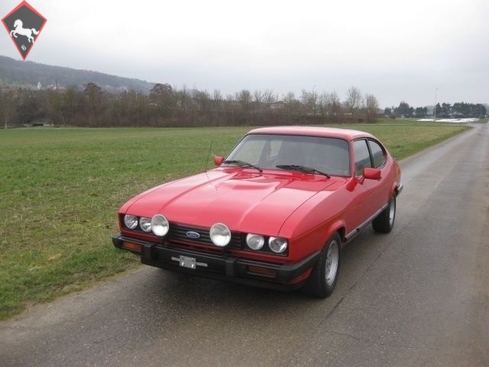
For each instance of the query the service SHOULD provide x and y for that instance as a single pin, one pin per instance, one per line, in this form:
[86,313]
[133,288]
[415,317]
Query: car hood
[243,200]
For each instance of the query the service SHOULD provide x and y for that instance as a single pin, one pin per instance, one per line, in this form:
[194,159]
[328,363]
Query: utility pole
[434,111]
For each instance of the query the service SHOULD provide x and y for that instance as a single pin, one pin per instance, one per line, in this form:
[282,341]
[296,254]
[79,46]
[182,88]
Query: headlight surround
[160,225]
[255,241]
[220,235]
[145,224]
[130,221]
[278,244]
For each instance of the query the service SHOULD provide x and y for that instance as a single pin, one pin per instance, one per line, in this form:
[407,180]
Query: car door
[366,193]
[380,188]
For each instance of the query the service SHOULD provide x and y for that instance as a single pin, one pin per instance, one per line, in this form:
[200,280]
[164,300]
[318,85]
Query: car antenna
[207,161]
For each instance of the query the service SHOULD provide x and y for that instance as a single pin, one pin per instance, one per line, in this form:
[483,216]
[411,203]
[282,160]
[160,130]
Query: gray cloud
[398,51]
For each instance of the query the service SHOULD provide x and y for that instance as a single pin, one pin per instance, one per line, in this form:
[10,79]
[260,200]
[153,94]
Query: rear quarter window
[378,154]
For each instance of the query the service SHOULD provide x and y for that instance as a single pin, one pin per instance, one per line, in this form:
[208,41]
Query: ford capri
[276,212]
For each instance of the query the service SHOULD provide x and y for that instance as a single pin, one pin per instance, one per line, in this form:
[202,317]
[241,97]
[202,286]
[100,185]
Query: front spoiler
[221,266]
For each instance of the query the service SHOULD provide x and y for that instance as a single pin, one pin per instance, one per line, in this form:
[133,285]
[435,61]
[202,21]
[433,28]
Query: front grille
[179,232]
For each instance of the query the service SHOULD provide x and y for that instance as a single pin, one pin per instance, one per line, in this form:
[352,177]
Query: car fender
[397,186]
[396,189]
[314,239]
[339,226]
[393,190]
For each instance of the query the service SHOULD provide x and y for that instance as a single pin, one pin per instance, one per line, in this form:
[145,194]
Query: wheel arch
[395,189]
[339,227]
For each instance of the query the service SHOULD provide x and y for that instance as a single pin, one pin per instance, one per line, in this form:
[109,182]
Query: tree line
[443,110]
[166,106]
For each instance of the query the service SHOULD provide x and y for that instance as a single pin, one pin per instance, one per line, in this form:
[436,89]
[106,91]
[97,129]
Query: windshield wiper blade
[243,164]
[295,167]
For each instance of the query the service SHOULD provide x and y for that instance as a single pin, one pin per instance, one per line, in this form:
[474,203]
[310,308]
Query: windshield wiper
[295,167]
[243,164]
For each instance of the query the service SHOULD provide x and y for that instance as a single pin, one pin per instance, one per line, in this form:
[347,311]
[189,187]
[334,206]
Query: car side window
[362,156]
[378,154]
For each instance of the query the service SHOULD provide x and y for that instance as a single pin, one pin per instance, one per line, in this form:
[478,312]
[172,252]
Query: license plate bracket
[188,262]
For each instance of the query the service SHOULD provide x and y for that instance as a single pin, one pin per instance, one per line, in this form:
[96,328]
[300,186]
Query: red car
[276,211]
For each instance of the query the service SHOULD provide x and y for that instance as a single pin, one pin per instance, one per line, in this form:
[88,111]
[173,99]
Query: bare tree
[269,98]
[217,99]
[292,105]
[353,101]
[371,107]
[330,105]
[258,95]
[183,99]
[244,98]
[203,99]
[310,102]
[258,100]
[69,101]
[93,93]
[7,105]
[54,100]
[162,99]
[160,91]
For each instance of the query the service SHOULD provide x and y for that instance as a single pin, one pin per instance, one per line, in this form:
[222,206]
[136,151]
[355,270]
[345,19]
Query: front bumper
[220,266]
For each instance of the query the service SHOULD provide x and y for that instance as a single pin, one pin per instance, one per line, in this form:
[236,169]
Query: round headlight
[145,224]
[130,221]
[255,241]
[277,244]
[220,234]
[160,225]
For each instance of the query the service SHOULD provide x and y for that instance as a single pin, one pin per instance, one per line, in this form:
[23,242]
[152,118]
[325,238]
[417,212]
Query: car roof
[331,132]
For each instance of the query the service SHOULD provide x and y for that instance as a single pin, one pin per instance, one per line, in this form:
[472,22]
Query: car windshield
[310,154]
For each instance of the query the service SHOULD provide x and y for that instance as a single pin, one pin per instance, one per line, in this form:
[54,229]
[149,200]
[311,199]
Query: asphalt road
[418,296]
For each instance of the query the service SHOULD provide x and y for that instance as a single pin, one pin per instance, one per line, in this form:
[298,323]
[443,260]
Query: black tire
[325,273]
[385,220]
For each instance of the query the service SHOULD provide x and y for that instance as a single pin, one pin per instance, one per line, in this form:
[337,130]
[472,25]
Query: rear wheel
[325,273]
[385,221]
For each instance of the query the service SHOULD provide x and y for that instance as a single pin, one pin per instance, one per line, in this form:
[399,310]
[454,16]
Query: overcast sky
[410,51]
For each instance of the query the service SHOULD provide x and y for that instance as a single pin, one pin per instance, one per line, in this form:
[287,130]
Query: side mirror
[218,160]
[371,173]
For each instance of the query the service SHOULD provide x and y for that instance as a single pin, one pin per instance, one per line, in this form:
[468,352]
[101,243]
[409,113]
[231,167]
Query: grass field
[61,189]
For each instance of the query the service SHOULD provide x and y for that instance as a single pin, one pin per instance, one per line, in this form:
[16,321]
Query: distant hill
[28,74]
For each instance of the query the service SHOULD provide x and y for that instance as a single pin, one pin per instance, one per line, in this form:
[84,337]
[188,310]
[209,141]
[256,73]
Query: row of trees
[444,110]
[166,106]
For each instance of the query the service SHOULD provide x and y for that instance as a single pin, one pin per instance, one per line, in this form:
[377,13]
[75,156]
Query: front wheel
[325,273]
[385,220]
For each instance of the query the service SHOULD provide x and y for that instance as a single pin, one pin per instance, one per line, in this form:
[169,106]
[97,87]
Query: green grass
[61,189]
